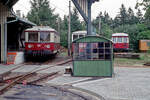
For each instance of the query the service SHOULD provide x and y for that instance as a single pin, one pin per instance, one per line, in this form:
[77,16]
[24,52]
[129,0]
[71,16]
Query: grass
[144,58]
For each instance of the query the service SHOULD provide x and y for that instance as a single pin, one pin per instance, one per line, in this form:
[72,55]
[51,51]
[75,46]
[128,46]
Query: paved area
[128,84]
[28,68]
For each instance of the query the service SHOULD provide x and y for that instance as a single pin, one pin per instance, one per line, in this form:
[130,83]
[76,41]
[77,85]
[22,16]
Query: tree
[106,23]
[75,22]
[76,25]
[139,16]
[42,14]
[146,5]
[64,32]
[132,19]
[123,15]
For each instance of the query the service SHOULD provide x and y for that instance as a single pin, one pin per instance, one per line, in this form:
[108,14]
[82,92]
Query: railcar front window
[44,36]
[33,37]
[75,37]
[119,40]
[125,40]
[81,36]
[114,39]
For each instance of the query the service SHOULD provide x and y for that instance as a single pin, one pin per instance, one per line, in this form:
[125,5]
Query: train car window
[125,40]
[33,36]
[114,39]
[119,40]
[44,36]
[81,36]
[75,37]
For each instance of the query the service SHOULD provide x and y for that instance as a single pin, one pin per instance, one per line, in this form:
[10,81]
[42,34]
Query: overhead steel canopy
[9,3]
[94,0]
[84,8]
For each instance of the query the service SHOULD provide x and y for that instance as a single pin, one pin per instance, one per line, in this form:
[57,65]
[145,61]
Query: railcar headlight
[38,45]
[47,46]
[30,46]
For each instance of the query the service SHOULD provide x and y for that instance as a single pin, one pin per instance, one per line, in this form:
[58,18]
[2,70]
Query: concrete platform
[128,84]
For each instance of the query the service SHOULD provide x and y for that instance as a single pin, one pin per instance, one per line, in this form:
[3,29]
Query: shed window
[92,51]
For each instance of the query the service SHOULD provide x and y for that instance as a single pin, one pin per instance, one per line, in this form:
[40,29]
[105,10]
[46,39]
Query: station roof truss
[21,22]
[9,3]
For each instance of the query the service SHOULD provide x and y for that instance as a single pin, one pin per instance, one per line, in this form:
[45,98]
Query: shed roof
[92,38]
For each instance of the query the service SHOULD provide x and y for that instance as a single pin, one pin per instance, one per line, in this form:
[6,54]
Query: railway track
[127,55]
[25,76]
[10,71]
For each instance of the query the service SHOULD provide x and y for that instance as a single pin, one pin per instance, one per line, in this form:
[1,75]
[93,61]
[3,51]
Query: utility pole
[59,25]
[69,28]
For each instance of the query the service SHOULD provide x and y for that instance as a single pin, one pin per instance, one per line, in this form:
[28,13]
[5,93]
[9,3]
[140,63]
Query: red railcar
[41,41]
[120,41]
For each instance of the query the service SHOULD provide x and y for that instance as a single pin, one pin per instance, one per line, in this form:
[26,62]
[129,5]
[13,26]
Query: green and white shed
[92,56]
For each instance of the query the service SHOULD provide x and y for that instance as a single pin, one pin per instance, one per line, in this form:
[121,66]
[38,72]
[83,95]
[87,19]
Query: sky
[61,6]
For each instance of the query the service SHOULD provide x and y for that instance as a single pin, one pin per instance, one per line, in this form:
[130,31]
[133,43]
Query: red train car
[41,41]
[120,41]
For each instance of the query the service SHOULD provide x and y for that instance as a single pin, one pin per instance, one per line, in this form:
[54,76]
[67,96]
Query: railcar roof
[41,28]
[80,32]
[119,34]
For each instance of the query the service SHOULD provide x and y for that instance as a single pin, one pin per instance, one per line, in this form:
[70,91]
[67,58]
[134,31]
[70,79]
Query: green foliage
[42,14]
[76,25]
[136,32]
[106,23]
[75,22]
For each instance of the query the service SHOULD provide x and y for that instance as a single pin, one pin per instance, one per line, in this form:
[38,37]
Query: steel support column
[80,11]
[4,43]
[89,25]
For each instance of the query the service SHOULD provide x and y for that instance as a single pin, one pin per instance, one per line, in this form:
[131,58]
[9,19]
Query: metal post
[99,24]
[4,43]
[59,25]
[89,32]
[69,28]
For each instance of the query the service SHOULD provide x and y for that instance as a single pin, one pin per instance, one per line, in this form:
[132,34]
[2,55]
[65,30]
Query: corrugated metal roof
[26,21]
